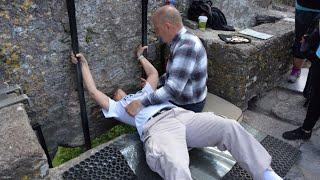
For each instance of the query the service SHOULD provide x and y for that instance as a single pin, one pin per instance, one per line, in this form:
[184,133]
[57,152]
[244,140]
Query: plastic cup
[203,22]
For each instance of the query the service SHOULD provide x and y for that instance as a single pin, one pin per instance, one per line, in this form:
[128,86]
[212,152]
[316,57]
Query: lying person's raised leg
[207,129]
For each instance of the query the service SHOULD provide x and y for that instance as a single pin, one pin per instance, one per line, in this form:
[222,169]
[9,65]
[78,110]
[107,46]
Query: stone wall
[21,156]
[242,71]
[35,48]
[286,2]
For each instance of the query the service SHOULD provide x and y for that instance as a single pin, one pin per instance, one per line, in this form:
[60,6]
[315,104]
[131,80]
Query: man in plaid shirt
[184,82]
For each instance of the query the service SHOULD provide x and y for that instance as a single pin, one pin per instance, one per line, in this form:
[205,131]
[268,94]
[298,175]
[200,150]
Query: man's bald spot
[168,14]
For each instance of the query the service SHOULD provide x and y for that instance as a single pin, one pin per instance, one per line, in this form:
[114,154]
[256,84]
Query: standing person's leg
[207,129]
[303,20]
[313,112]
[307,88]
[166,148]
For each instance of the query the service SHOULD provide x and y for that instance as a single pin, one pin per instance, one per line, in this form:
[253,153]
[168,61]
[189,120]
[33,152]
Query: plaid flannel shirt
[186,73]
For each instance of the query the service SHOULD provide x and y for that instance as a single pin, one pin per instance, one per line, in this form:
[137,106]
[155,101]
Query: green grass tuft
[64,154]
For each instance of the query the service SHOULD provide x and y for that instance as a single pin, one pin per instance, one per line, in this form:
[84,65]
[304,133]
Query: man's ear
[167,26]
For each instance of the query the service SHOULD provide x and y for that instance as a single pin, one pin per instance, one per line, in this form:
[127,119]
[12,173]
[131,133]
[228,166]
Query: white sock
[271,175]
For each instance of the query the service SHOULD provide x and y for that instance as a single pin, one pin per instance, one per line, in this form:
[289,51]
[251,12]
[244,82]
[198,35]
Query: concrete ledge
[21,155]
[222,107]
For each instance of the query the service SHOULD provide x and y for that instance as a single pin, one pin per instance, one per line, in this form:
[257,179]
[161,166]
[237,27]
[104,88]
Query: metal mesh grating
[107,164]
[283,157]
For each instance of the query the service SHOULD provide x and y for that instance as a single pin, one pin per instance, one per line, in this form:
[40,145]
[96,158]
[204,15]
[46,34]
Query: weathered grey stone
[21,156]
[292,111]
[285,2]
[272,98]
[242,71]
[264,103]
[35,48]
[295,173]
[307,166]
[262,3]
[239,13]
[34,53]
[269,125]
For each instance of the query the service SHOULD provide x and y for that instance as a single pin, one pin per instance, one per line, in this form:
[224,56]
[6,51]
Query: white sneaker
[271,175]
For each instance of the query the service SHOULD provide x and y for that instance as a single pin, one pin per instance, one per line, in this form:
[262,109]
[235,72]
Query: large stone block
[21,156]
[238,72]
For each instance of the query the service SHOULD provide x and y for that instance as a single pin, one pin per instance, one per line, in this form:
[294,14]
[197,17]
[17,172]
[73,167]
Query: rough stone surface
[265,119]
[308,164]
[239,13]
[21,156]
[242,71]
[265,103]
[286,2]
[269,125]
[262,3]
[35,48]
[283,104]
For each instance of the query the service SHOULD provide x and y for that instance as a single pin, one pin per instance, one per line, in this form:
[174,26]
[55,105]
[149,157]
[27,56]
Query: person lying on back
[167,131]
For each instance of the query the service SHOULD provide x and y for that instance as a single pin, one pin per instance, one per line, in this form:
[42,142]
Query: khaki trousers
[168,136]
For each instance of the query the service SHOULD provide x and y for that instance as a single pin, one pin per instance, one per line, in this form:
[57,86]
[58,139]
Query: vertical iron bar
[144,35]
[144,24]
[37,127]
[75,49]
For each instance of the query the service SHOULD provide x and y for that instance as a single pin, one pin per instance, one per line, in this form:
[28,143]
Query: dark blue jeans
[196,107]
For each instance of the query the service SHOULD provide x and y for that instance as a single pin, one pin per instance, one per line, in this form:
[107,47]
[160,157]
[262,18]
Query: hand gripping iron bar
[75,49]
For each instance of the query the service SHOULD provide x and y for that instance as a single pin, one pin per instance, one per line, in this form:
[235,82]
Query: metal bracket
[14,100]
[7,100]
[11,89]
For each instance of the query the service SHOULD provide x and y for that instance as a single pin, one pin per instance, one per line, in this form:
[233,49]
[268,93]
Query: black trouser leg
[313,112]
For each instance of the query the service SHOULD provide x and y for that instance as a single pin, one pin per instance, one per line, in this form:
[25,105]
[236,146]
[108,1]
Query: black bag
[216,19]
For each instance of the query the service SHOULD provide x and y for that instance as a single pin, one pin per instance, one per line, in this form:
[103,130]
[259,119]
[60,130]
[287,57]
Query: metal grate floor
[283,157]
[107,164]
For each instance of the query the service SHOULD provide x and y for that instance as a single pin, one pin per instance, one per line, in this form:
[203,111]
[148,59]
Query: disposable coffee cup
[203,22]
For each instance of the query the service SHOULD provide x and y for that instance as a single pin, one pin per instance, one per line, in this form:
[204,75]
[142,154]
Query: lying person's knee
[231,124]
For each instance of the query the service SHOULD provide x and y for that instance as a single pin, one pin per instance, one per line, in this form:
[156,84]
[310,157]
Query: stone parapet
[21,156]
[239,72]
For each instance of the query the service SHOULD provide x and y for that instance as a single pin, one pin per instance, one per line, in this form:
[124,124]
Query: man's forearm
[148,67]
[87,78]
[151,72]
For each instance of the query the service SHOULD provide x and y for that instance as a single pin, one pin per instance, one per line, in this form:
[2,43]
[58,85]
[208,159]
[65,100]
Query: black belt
[161,111]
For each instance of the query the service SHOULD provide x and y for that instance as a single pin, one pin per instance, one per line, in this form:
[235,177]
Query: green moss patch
[64,154]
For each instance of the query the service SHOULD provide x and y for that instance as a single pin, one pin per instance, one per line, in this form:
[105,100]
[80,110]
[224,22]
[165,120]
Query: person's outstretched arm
[151,71]
[152,78]
[99,97]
